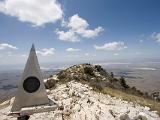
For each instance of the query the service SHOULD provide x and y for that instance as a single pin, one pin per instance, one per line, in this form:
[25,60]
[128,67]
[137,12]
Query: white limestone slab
[33,110]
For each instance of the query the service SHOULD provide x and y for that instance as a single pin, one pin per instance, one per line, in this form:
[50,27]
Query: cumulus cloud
[156,36]
[46,52]
[4,46]
[73,49]
[77,28]
[112,46]
[67,36]
[89,33]
[76,22]
[80,26]
[37,12]
[116,54]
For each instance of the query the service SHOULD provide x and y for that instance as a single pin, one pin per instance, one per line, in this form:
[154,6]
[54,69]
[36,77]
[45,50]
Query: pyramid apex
[32,48]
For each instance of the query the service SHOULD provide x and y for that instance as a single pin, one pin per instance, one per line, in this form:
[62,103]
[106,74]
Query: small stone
[71,92]
[141,116]
[124,117]
[113,113]
[77,107]
[146,108]
[64,96]
[61,108]
[67,112]
[55,98]
[48,91]
[86,85]
[12,100]
[90,88]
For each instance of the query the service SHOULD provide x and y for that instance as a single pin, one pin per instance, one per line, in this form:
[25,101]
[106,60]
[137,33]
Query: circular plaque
[31,84]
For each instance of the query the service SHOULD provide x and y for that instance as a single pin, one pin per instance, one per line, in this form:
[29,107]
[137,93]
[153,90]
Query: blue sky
[79,30]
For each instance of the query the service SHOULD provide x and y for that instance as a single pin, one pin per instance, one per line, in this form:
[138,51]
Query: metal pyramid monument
[31,90]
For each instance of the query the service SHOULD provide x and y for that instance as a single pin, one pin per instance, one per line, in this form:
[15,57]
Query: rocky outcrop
[93,75]
[79,102]
[84,72]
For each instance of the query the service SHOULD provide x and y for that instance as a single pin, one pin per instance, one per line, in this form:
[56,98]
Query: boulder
[49,83]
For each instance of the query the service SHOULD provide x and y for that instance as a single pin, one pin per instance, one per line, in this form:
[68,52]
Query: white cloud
[90,55]
[89,33]
[86,54]
[116,54]
[80,26]
[7,46]
[113,46]
[23,55]
[77,28]
[46,52]
[76,22]
[141,41]
[67,36]
[156,36]
[73,49]
[37,12]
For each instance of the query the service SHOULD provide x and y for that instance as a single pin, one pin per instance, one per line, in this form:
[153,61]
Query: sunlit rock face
[78,102]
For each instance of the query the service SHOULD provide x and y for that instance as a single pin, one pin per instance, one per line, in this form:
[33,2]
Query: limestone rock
[77,101]
[124,117]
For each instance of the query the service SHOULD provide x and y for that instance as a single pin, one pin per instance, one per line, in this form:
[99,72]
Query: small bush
[96,86]
[89,71]
[113,80]
[112,75]
[123,83]
[61,75]
[51,76]
[98,67]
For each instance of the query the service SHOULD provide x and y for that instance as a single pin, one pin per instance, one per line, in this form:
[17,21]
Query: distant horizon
[52,65]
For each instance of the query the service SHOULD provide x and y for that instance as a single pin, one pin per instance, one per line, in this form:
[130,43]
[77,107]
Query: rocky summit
[78,92]
[79,102]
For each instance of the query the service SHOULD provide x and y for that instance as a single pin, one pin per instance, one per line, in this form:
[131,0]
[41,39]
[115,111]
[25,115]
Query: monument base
[32,110]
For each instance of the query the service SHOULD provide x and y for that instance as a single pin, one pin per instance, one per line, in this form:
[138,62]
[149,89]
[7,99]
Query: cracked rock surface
[78,102]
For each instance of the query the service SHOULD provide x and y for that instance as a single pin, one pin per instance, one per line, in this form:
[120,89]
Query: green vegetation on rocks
[95,76]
